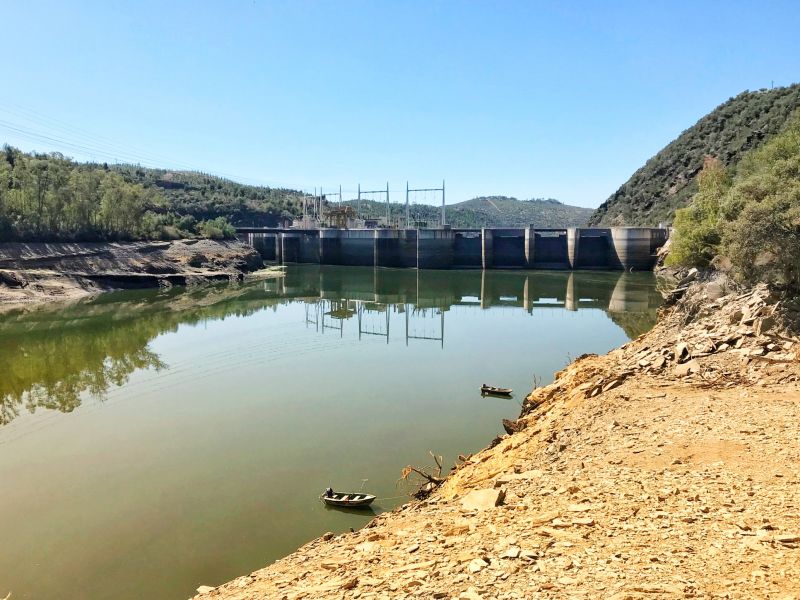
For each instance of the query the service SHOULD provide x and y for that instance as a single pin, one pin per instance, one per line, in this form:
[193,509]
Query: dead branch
[424,479]
[438,461]
[410,469]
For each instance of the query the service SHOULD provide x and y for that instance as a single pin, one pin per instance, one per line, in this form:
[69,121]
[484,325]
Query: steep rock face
[668,180]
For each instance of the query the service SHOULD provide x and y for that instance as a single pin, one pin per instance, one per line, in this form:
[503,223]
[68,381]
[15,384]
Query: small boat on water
[349,499]
[490,390]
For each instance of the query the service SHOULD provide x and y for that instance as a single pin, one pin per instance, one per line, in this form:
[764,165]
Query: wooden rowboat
[495,391]
[351,499]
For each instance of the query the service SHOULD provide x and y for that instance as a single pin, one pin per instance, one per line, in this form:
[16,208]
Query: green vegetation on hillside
[50,197]
[47,196]
[205,196]
[487,211]
[668,181]
[501,211]
[750,222]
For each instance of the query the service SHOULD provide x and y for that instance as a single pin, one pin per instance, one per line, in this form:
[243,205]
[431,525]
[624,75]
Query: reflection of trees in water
[54,374]
[50,360]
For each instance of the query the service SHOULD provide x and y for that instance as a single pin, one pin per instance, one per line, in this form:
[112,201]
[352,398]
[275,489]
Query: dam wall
[614,248]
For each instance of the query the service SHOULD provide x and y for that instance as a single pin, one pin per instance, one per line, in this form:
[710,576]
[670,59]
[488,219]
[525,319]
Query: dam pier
[614,248]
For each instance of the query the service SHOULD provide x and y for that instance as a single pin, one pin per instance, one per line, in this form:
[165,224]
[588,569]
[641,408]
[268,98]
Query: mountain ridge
[667,181]
[487,211]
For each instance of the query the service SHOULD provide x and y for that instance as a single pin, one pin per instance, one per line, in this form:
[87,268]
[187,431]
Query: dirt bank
[668,468]
[32,273]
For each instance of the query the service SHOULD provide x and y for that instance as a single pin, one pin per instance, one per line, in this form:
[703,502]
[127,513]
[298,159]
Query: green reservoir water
[153,441]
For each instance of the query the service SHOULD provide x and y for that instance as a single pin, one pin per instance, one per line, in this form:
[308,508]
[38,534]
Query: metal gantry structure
[326,314]
[318,206]
[410,190]
[378,193]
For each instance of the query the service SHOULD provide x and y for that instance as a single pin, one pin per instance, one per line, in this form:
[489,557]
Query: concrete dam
[615,248]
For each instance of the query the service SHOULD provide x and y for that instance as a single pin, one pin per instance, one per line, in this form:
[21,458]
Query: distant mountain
[488,211]
[502,211]
[668,180]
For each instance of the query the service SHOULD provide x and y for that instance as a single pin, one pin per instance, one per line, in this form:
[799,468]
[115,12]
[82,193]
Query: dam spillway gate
[615,248]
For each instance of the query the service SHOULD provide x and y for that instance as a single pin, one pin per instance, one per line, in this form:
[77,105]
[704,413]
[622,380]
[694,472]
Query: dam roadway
[615,248]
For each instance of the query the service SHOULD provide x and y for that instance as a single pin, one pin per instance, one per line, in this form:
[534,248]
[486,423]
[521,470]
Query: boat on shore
[490,390]
[348,499]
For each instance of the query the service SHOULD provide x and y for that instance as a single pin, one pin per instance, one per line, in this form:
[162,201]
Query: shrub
[761,231]
[186,224]
[216,229]
[697,231]
[753,221]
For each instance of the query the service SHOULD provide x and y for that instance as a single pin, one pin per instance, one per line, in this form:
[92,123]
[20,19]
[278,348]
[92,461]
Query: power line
[86,137]
[38,128]
[91,145]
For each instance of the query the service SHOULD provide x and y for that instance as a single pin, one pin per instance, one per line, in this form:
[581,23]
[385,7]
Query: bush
[697,231]
[216,229]
[761,230]
[753,221]
[187,225]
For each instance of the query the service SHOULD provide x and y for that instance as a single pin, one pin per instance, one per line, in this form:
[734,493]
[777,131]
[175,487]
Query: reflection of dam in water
[375,319]
[381,301]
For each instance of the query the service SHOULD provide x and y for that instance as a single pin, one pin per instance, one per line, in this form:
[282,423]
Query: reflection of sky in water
[226,410]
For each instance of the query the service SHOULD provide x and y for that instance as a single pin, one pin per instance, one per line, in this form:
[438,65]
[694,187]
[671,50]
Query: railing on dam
[615,248]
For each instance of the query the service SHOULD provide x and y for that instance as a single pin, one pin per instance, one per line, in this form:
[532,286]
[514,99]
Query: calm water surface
[151,442]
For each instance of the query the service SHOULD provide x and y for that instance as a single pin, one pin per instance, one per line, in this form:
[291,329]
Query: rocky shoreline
[668,468]
[35,273]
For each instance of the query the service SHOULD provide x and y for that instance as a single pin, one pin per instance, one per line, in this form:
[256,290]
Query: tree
[754,220]
[762,212]
[697,233]
[216,229]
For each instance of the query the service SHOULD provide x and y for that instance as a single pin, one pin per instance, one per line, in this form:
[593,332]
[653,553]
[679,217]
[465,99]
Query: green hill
[502,211]
[668,180]
[51,197]
[206,196]
[488,211]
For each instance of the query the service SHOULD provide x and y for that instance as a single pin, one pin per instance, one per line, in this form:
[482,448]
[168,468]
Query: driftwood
[427,478]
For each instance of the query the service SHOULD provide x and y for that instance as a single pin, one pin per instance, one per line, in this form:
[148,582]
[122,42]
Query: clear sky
[530,99]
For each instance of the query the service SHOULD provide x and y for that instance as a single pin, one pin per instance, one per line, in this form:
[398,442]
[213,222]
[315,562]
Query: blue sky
[530,99]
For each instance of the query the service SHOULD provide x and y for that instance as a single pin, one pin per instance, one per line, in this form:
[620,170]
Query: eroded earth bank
[667,468]
[33,273]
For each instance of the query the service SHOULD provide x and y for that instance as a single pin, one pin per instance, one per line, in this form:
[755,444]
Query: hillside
[54,198]
[489,211]
[668,180]
[207,196]
[500,211]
